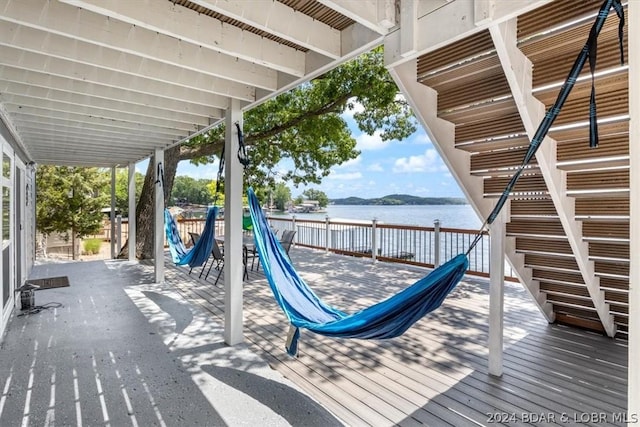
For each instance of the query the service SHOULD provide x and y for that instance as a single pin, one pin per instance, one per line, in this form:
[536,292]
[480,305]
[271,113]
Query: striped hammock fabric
[200,252]
[386,319]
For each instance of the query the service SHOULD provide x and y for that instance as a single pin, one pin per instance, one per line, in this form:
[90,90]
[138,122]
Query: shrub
[92,246]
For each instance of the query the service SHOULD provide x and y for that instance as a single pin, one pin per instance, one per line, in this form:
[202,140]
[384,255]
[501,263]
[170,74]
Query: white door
[7,226]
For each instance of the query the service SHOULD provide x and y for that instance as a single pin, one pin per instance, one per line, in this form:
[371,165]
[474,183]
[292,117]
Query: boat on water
[309,206]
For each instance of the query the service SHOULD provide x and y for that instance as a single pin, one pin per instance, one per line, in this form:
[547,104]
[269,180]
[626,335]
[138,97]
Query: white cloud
[430,161]
[365,142]
[350,163]
[375,167]
[348,176]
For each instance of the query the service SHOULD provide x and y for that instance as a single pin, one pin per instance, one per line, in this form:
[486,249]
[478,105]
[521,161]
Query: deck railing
[408,244]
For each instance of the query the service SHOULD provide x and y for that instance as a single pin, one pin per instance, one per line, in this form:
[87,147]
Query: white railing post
[118,233]
[327,233]
[374,240]
[293,223]
[436,242]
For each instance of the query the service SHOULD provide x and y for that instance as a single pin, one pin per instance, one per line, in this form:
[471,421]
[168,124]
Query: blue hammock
[387,319]
[200,252]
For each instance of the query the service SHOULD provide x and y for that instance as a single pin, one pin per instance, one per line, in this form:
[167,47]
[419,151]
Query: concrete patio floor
[121,350]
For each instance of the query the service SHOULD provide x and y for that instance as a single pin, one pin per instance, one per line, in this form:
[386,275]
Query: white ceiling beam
[70,137]
[451,22]
[54,124]
[55,46]
[14,93]
[44,117]
[81,118]
[103,92]
[51,47]
[376,15]
[190,26]
[15,103]
[87,159]
[95,145]
[68,22]
[282,21]
[136,84]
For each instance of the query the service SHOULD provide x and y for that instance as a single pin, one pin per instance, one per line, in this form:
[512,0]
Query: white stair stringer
[424,101]
[519,73]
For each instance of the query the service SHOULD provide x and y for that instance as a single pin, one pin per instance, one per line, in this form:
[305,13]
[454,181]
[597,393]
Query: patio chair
[218,261]
[252,253]
[194,237]
[287,240]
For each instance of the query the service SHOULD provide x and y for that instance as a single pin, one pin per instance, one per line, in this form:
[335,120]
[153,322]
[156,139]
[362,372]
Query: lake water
[452,216]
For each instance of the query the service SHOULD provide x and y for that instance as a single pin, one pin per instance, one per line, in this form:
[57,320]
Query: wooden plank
[616,145]
[558,276]
[606,229]
[507,125]
[525,244]
[553,14]
[546,227]
[455,53]
[498,159]
[479,146]
[603,205]
[550,69]
[533,207]
[526,184]
[598,180]
[551,262]
[618,251]
[478,90]
[479,111]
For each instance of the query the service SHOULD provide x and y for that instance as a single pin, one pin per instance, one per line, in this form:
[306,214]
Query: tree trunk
[144,209]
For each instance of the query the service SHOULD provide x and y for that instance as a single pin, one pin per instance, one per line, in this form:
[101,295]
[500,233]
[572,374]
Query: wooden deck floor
[436,373]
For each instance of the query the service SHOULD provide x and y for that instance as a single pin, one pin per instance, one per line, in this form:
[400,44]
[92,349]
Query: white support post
[131,224]
[496,295]
[408,27]
[233,266]
[436,243]
[327,231]
[374,240]
[112,215]
[633,393]
[158,217]
[118,234]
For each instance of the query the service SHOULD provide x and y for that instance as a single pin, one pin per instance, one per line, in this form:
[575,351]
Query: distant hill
[400,199]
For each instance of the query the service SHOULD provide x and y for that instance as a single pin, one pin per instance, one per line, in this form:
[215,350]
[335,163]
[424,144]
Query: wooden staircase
[568,216]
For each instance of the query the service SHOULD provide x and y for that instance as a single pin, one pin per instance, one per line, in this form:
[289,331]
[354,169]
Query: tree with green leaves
[281,196]
[304,125]
[190,190]
[70,201]
[317,195]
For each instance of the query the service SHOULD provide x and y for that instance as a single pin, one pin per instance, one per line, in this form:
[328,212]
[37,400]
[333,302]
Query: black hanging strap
[592,46]
[243,157]
[160,175]
[220,176]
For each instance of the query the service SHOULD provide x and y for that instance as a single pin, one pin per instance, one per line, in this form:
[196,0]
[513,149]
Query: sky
[412,166]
